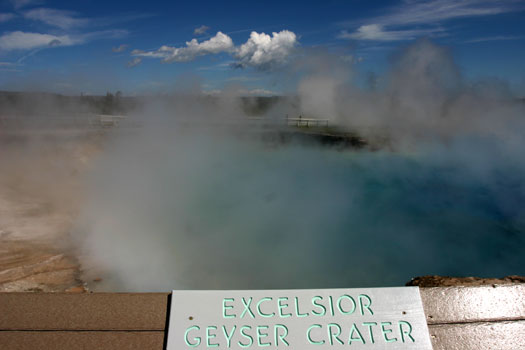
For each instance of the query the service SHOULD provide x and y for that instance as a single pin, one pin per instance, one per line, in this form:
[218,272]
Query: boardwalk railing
[307,122]
[106,120]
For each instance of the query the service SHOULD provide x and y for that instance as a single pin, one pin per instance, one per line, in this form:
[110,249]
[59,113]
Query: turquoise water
[243,215]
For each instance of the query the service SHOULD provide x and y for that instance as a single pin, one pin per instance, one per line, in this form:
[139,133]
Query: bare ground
[41,191]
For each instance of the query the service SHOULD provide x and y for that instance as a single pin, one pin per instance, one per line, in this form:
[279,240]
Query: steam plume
[186,207]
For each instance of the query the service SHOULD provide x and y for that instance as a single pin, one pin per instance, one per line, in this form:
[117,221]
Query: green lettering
[247,307]
[404,332]
[314,299]
[332,335]
[386,331]
[259,308]
[308,335]
[225,307]
[283,327]
[282,306]
[370,324]
[339,301]
[367,306]
[210,336]
[242,345]
[198,339]
[297,312]
[262,335]
[228,336]
[351,338]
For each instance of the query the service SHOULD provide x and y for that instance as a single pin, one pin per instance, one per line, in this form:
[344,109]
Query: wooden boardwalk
[467,318]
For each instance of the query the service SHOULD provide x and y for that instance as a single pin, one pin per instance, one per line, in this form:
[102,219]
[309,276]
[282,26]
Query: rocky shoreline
[447,281]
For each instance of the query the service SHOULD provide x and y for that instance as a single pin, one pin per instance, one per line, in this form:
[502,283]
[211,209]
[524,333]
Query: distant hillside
[41,103]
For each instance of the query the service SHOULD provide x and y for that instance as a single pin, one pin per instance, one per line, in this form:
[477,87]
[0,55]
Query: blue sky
[143,47]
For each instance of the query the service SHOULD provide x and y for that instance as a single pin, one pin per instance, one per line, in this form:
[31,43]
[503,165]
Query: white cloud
[201,30]
[4,17]
[120,48]
[101,34]
[219,66]
[493,38]
[9,67]
[433,11]
[264,51]
[26,41]
[217,44]
[17,4]
[134,62]
[376,32]
[56,18]
[428,15]
[152,54]
[261,51]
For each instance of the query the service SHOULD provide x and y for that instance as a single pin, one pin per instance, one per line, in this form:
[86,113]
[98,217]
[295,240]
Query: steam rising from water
[183,207]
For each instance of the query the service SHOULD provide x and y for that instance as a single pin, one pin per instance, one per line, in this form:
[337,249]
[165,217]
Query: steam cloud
[184,207]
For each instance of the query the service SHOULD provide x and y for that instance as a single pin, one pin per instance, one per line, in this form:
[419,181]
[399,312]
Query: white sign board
[372,318]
